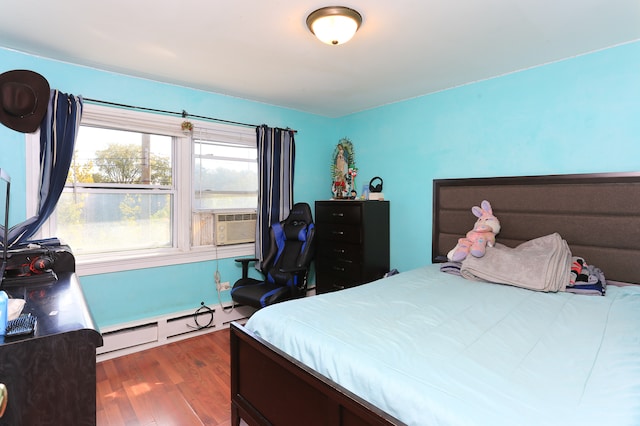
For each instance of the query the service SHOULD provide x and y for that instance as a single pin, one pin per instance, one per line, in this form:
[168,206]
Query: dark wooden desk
[51,376]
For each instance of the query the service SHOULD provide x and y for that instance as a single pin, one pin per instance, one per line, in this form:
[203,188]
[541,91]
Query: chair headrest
[300,212]
[298,220]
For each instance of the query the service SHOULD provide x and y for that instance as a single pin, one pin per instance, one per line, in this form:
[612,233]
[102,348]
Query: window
[139,189]
[225,179]
[225,175]
[119,193]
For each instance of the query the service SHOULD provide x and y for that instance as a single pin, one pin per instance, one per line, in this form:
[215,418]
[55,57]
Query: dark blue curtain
[276,158]
[57,138]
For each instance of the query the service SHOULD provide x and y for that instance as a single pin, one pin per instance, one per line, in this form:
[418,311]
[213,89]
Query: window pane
[104,222]
[109,204]
[121,157]
[225,176]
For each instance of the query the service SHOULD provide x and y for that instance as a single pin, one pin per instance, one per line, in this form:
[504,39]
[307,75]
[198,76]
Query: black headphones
[377,187]
[41,264]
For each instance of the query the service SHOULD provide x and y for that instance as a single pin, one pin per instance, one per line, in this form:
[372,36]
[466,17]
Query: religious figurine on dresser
[342,168]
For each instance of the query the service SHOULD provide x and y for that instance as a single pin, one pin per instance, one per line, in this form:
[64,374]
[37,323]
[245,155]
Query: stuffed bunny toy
[482,235]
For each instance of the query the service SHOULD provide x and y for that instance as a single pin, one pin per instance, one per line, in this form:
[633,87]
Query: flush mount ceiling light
[334,24]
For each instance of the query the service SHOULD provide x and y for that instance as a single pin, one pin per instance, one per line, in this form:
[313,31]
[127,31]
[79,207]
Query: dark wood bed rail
[268,387]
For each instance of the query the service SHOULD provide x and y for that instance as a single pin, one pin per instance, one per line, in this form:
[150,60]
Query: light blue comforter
[435,349]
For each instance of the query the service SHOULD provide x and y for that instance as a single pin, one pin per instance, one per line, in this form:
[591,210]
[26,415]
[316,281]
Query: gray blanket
[542,264]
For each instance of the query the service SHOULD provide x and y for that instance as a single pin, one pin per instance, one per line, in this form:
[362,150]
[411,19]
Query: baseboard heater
[123,339]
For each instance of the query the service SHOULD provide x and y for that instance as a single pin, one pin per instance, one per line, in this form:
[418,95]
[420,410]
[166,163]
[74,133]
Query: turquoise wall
[580,115]
[127,296]
[575,116]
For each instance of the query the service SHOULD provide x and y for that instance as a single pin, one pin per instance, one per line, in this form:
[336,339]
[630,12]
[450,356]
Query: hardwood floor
[183,383]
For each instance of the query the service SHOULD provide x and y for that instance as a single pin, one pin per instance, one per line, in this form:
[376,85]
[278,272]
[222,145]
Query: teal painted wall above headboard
[580,115]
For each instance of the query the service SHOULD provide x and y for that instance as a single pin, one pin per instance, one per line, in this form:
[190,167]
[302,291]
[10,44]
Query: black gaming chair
[286,264]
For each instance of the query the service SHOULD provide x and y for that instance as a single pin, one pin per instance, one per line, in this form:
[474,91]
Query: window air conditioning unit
[234,228]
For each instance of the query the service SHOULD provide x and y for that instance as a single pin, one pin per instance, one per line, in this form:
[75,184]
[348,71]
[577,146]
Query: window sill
[92,265]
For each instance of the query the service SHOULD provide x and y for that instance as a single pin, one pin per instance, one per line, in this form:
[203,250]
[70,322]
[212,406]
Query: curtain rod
[183,114]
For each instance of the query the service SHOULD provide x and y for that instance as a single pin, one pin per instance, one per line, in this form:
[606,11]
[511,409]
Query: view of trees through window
[123,185]
[119,192]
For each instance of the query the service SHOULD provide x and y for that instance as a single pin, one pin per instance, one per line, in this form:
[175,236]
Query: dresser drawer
[338,233]
[335,275]
[345,212]
[339,251]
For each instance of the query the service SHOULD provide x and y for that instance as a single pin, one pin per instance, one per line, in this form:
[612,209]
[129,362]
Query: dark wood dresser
[50,376]
[352,243]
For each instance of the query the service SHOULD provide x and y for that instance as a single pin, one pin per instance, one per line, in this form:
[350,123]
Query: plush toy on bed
[482,235]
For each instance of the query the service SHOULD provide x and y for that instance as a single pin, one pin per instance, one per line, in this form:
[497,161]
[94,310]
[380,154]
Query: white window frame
[183,171]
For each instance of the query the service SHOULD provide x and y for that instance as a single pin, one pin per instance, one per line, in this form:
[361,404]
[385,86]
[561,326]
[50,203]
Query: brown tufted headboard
[597,214]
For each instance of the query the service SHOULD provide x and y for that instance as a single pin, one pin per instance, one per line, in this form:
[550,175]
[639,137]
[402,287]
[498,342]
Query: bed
[425,347]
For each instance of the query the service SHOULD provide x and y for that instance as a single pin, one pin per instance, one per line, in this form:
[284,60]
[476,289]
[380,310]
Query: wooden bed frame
[268,387]
[597,214]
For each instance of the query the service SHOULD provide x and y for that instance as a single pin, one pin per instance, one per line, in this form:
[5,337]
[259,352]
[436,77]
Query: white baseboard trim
[135,336]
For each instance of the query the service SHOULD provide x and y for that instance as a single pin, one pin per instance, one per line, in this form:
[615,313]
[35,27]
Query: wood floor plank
[183,383]
[137,394]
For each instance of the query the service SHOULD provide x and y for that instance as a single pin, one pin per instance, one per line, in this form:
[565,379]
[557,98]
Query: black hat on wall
[24,98]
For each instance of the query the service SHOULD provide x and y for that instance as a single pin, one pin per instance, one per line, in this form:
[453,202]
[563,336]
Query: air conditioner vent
[234,228]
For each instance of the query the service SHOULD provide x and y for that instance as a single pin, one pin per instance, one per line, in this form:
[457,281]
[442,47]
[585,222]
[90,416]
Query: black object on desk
[36,264]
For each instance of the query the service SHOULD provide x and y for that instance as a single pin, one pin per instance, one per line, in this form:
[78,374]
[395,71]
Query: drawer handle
[339,251]
[337,214]
[337,232]
[338,268]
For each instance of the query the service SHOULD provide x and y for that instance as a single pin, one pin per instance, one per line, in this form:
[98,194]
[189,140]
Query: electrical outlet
[224,286]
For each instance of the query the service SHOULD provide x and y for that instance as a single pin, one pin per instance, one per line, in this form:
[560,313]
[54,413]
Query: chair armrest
[300,270]
[245,265]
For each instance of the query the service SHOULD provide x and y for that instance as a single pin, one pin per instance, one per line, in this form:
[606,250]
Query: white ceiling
[261,49]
